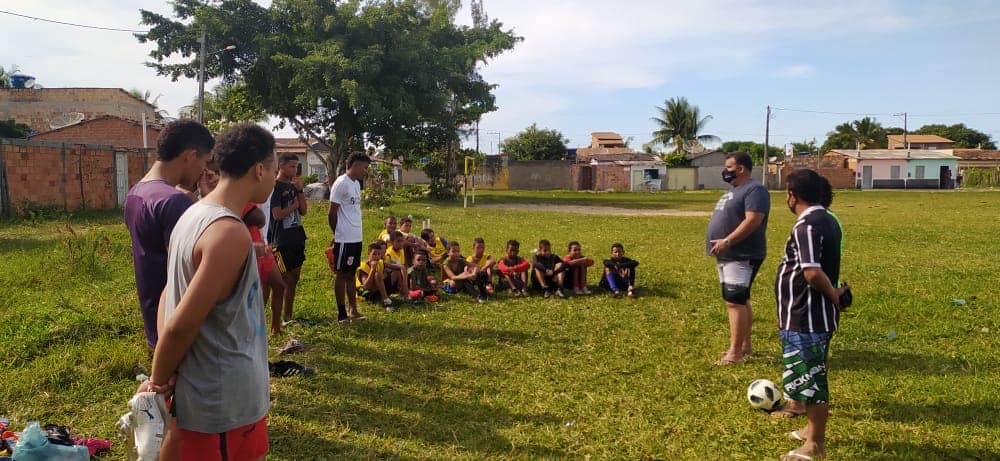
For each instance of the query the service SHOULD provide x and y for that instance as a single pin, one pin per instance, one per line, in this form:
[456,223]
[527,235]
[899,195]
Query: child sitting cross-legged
[484,261]
[423,285]
[514,269]
[549,270]
[462,276]
[619,273]
[396,277]
[577,267]
[370,277]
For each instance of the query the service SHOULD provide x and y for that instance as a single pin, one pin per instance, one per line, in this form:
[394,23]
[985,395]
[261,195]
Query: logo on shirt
[721,204]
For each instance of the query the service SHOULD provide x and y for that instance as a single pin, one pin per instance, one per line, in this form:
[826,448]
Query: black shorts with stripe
[346,256]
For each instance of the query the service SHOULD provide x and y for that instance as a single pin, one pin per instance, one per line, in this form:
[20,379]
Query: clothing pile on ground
[50,441]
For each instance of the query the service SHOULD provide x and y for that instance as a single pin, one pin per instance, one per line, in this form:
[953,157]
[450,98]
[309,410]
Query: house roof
[895,154]
[150,125]
[976,154]
[918,138]
[625,157]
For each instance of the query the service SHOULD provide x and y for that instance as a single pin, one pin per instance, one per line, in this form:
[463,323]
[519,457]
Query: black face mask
[729,176]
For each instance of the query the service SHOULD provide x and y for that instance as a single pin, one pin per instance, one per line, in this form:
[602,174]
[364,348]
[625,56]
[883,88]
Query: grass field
[583,378]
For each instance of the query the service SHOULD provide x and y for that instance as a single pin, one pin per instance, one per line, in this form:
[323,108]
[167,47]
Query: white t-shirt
[266,208]
[346,192]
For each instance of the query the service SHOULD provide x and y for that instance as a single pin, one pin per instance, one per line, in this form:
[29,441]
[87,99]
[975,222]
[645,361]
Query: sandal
[724,362]
[794,435]
[292,347]
[786,413]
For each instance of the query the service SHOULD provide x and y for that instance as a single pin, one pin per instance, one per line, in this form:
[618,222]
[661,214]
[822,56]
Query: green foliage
[379,186]
[674,159]
[981,177]
[535,144]
[85,253]
[348,74]
[755,149]
[226,105]
[310,178]
[810,147]
[410,192]
[4,78]
[864,134]
[964,137]
[12,129]
[681,126]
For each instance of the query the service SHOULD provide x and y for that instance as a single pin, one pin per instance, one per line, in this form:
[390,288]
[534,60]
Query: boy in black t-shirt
[288,204]
[548,269]
[619,272]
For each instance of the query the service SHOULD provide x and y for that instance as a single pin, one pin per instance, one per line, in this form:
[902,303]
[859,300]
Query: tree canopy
[225,105]
[535,143]
[680,124]
[866,133]
[400,74]
[12,129]
[964,137]
[755,149]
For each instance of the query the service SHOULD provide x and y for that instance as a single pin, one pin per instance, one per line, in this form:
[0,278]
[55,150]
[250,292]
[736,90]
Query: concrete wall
[882,168]
[714,159]
[710,177]
[540,174]
[36,108]
[105,131]
[932,167]
[681,178]
[68,176]
[831,167]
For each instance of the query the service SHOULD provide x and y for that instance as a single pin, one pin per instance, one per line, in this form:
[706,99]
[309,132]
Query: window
[894,172]
[920,172]
[651,174]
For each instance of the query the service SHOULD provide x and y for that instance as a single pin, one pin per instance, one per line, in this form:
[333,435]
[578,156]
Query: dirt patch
[599,210]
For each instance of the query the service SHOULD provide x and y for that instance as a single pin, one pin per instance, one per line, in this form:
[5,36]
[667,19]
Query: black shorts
[290,256]
[346,256]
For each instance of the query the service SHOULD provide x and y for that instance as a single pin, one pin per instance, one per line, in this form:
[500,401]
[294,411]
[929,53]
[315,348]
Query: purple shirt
[152,208]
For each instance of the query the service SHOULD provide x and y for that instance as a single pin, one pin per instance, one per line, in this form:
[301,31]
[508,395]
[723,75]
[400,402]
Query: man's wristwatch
[727,242]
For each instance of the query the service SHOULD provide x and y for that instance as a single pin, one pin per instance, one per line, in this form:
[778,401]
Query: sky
[587,65]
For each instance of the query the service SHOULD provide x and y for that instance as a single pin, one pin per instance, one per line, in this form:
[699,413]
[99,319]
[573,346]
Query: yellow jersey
[393,256]
[482,261]
[364,270]
[437,249]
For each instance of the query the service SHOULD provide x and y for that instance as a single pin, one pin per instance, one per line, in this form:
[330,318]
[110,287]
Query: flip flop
[286,368]
[724,362]
[794,435]
[792,456]
[292,347]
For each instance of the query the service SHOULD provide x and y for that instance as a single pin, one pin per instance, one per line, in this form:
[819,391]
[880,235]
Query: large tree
[535,144]
[964,137]
[12,129]
[681,126]
[859,134]
[346,74]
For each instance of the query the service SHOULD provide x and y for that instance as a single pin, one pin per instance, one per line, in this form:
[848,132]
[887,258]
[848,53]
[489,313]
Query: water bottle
[34,445]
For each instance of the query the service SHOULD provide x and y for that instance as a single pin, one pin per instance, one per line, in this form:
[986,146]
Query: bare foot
[792,409]
[729,358]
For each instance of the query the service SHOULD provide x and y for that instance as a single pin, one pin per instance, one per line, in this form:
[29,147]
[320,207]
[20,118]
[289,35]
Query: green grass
[589,377]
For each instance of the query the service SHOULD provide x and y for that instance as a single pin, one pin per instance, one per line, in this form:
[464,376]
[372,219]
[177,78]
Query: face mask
[729,176]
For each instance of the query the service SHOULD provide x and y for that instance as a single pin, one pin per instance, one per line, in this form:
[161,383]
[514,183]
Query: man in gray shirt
[736,237]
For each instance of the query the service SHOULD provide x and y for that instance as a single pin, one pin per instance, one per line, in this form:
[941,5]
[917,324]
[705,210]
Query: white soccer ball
[764,395]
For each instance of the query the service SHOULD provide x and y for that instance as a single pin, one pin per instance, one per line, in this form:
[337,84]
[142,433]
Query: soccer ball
[764,395]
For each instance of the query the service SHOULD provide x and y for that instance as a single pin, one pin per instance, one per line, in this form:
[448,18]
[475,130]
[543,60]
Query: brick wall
[831,167]
[67,176]
[110,131]
[36,108]
[612,177]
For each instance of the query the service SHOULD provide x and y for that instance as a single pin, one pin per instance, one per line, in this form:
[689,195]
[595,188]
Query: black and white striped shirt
[814,242]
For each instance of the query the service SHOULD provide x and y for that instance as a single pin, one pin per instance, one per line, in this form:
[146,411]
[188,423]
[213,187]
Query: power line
[810,111]
[826,112]
[85,26]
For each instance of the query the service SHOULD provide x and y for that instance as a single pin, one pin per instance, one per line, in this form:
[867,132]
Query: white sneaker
[585,291]
[148,421]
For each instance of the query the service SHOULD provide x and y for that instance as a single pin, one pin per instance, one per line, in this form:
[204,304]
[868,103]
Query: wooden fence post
[79,153]
[4,193]
[62,181]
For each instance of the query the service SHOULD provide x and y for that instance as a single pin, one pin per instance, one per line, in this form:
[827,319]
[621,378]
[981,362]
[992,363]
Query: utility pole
[201,78]
[477,136]
[767,134]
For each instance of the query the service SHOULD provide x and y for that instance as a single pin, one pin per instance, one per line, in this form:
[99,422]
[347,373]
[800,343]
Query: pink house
[902,169]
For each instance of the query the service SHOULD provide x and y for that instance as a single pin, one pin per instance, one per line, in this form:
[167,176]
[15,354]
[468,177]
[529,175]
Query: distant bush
[981,177]
[310,178]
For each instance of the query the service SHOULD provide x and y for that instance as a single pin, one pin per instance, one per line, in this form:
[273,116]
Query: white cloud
[796,71]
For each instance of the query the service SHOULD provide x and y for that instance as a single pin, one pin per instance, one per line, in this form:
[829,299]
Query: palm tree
[869,133]
[225,105]
[680,125]
[147,97]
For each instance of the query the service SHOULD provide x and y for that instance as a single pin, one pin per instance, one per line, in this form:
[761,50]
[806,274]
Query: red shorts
[264,266]
[243,443]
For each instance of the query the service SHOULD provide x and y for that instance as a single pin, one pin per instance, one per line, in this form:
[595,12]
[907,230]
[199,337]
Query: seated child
[577,267]
[423,285]
[390,227]
[412,243]
[370,278]
[514,269]
[619,272]
[482,260]
[396,280]
[271,281]
[462,276]
[436,247]
[549,270]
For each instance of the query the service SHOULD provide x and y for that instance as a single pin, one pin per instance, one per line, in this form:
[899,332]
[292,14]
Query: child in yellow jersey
[396,280]
[437,248]
[390,227]
[483,261]
[370,277]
